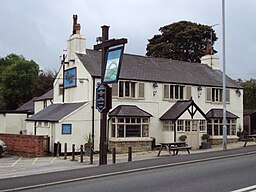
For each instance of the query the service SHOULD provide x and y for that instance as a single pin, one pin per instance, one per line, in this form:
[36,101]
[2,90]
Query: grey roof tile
[47,96]
[128,111]
[55,112]
[218,113]
[142,68]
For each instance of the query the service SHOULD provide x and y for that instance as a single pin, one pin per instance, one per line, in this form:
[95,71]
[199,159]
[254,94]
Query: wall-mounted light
[81,80]
[155,85]
[199,90]
[238,92]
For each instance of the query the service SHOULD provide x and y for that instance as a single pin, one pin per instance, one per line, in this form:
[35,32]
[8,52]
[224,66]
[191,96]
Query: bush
[206,137]
[183,137]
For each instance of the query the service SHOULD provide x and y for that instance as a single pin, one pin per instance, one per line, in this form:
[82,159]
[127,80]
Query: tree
[17,82]
[45,82]
[182,40]
[249,93]
[21,80]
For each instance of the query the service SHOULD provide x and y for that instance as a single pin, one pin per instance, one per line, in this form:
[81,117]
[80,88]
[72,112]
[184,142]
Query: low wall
[25,145]
[122,146]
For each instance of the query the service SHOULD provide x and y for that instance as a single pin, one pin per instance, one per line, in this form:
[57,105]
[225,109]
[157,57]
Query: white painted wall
[12,123]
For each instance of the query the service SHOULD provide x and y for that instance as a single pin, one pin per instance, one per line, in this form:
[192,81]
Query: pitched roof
[26,107]
[47,96]
[128,111]
[179,108]
[218,113]
[142,68]
[55,112]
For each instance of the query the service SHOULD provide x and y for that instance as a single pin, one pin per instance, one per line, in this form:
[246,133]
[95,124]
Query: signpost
[101,98]
[110,68]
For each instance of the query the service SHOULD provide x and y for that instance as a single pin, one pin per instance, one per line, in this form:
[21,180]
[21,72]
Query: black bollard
[65,151]
[114,155]
[73,152]
[81,154]
[130,154]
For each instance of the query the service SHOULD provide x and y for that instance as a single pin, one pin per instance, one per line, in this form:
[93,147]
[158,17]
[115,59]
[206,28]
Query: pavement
[14,166]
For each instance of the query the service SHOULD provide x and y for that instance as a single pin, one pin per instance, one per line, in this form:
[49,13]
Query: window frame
[64,131]
[129,90]
[215,95]
[212,124]
[122,123]
[176,92]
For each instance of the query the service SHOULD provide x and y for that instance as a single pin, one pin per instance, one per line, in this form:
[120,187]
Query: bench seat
[177,149]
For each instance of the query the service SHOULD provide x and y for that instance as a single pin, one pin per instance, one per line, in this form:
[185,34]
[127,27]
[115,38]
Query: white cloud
[39,29]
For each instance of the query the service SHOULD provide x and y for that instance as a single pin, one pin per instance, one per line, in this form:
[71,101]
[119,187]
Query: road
[217,175]
[154,173]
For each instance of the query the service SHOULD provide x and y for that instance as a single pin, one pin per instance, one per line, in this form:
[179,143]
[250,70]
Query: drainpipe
[175,131]
[63,63]
[35,128]
[93,118]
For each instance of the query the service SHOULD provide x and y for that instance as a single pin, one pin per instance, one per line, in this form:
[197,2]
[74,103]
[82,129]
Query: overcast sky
[38,29]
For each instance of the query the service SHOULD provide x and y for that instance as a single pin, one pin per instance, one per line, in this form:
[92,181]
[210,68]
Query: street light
[212,41]
[224,78]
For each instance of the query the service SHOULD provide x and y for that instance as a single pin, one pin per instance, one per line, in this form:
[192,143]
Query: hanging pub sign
[113,65]
[69,78]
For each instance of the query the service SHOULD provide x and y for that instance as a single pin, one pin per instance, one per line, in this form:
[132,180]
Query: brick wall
[122,146]
[25,145]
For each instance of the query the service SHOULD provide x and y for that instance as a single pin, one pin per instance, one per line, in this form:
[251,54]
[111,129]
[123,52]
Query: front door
[192,132]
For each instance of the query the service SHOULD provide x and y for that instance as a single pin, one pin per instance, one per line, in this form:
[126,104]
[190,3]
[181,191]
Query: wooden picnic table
[174,146]
[250,137]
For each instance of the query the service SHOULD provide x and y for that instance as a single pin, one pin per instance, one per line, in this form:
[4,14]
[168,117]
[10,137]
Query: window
[129,127]
[202,125]
[45,103]
[66,129]
[128,89]
[187,125]
[43,124]
[61,89]
[168,126]
[177,92]
[216,95]
[180,125]
[215,127]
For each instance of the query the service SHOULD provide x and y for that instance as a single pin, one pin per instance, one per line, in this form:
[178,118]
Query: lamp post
[212,41]
[224,78]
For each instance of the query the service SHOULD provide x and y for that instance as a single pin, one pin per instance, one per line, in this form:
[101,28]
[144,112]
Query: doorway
[192,132]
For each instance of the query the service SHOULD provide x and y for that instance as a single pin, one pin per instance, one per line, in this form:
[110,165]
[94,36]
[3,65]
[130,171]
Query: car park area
[14,166]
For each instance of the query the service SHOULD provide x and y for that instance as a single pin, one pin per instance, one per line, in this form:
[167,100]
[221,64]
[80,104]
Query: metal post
[224,78]
[65,151]
[114,155]
[81,154]
[58,149]
[73,152]
[130,154]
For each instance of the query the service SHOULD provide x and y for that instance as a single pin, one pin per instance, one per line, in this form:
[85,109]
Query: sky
[39,29]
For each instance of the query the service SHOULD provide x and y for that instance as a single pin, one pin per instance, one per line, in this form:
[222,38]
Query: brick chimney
[210,59]
[76,42]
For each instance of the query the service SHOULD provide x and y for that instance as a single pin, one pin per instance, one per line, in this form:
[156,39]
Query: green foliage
[20,81]
[182,40]
[206,137]
[88,141]
[44,82]
[183,137]
[249,95]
